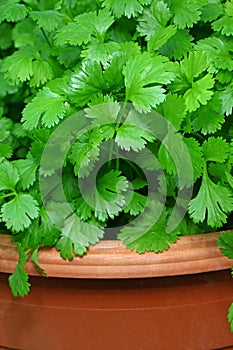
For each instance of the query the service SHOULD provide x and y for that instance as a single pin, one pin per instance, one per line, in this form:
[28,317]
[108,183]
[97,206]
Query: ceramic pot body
[177,311]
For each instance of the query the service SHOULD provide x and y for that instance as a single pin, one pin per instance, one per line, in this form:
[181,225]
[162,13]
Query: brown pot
[103,300]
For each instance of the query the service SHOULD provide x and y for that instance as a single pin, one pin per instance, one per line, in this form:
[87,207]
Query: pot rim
[111,259]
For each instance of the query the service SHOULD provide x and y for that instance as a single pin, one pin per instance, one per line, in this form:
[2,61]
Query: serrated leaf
[42,72]
[6,151]
[100,52]
[225,242]
[224,25]
[200,93]
[48,20]
[18,281]
[85,26]
[85,152]
[134,133]
[186,12]
[128,8]
[19,212]
[77,235]
[87,82]
[11,11]
[153,19]
[136,203]
[174,156]
[46,107]
[218,52]
[178,45]
[173,109]
[215,149]
[212,203]
[160,37]
[145,237]
[227,99]
[8,176]
[105,199]
[211,11]
[18,66]
[24,33]
[27,171]
[195,91]
[196,156]
[208,118]
[143,70]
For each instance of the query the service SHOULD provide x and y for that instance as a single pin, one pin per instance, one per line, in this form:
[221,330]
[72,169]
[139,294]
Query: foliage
[114,112]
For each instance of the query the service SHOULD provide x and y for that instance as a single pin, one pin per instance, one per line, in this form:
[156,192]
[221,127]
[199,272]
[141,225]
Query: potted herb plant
[115,122]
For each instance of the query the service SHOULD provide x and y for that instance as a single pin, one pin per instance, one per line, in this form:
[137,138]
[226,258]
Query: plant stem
[46,37]
[7,195]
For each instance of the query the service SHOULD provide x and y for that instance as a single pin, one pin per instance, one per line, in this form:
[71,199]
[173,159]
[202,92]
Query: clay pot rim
[110,259]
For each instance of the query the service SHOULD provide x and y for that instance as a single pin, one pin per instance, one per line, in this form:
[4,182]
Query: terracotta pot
[103,301]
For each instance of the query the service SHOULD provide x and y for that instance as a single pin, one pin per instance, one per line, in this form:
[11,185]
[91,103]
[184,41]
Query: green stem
[7,195]
[46,38]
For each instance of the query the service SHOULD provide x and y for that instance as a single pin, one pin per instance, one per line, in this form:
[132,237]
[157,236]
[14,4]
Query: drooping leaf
[77,236]
[18,281]
[213,203]
[19,212]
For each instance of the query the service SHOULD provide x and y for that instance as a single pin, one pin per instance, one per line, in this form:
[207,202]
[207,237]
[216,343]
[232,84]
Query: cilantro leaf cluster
[171,57]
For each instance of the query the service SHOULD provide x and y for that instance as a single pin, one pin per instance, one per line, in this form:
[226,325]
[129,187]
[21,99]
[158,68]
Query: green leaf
[215,149]
[134,133]
[173,109]
[200,93]
[42,72]
[195,91]
[218,52]
[19,212]
[18,281]
[87,82]
[27,171]
[153,19]
[174,156]
[85,26]
[196,156]
[224,25]
[145,237]
[143,70]
[11,11]
[24,33]
[227,99]
[6,151]
[186,12]
[105,199]
[85,152]
[136,203]
[100,52]
[225,242]
[76,236]
[46,107]
[178,45]
[208,118]
[18,67]
[48,20]
[8,176]
[128,8]
[213,203]
[5,36]
[161,37]
[230,316]
[212,11]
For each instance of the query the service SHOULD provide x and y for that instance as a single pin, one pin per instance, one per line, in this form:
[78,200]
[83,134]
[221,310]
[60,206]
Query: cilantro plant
[115,115]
